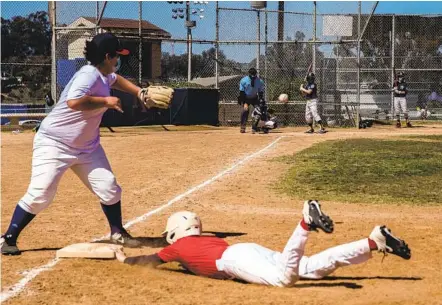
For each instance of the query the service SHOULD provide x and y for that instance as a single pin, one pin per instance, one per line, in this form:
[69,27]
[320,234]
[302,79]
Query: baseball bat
[395,81]
[309,70]
[305,78]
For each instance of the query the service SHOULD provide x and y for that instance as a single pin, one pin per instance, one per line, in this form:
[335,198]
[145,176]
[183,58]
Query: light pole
[189,24]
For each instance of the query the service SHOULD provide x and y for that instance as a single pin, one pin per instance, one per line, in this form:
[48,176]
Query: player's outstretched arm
[87,102]
[123,84]
[152,260]
[301,88]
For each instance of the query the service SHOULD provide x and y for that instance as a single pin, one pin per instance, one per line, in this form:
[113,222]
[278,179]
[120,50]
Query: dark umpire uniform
[251,92]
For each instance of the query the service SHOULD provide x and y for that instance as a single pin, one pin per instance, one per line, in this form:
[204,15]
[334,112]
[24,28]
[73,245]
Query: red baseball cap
[108,43]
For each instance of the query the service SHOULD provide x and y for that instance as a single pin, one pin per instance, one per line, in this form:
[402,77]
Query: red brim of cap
[123,52]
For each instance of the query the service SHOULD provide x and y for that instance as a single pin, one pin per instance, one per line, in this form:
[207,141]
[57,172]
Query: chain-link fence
[355,54]
[25,67]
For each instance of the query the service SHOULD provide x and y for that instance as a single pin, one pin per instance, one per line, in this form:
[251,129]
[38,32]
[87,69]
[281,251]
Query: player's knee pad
[36,200]
[108,191]
[318,118]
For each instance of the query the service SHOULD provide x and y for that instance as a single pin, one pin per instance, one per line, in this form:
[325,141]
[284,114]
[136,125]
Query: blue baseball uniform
[251,89]
[314,89]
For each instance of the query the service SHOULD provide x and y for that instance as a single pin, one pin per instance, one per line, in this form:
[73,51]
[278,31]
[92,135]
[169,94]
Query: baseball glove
[156,96]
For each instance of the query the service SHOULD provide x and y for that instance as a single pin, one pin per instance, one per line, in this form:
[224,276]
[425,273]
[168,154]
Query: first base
[88,250]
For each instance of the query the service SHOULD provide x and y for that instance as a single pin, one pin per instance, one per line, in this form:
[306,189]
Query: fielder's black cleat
[315,218]
[125,239]
[9,249]
[388,243]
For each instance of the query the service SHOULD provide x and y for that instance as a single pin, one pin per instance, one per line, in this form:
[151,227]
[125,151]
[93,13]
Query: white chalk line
[32,273]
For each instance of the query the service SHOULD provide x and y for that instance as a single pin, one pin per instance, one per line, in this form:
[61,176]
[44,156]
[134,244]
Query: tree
[27,40]
[26,36]
[203,65]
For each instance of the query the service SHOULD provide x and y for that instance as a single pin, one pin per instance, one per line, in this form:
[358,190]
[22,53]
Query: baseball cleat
[409,124]
[398,125]
[310,131]
[315,218]
[9,249]
[242,130]
[322,131]
[388,243]
[254,131]
[125,239]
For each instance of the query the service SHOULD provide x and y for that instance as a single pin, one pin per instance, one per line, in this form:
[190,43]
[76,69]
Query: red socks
[372,244]
[304,225]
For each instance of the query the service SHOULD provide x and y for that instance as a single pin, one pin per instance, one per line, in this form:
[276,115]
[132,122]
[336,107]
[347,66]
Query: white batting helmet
[182,224]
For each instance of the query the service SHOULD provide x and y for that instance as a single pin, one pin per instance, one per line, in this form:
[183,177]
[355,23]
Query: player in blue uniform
[309,91]
[251,92]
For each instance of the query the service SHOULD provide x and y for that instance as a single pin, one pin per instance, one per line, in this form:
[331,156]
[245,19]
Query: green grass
[366,170]
[424,137]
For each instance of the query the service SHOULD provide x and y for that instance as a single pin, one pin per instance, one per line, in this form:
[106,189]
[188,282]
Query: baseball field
[246,188]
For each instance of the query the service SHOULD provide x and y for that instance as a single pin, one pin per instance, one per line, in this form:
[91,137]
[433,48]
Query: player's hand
[113,102]
[119,254]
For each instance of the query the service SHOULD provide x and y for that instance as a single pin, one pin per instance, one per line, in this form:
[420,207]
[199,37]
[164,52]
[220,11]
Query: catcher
[69,137]
[213,257]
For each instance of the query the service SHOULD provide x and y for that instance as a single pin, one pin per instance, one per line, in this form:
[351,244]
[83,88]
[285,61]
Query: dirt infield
[154,166]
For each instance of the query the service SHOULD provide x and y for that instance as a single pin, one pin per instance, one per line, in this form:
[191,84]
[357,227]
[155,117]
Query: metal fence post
[53,13]
[393,34]
[258,38]
[140,45]
[217,47]
[189,43]
[265,52]
[314,38]
[358,94]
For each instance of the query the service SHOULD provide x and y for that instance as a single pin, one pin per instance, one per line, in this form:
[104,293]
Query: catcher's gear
[182,224]
[263,119]
[241,97]
[156,96]
[310,78]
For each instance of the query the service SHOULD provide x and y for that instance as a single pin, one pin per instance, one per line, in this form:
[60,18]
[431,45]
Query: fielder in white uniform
[400,100]
[311,108]
[69,138]
[213,257]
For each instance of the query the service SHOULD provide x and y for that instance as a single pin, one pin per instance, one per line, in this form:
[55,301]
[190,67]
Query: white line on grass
[32,273]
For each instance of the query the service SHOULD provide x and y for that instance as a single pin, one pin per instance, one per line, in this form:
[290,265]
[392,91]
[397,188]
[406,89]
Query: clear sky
[233,25]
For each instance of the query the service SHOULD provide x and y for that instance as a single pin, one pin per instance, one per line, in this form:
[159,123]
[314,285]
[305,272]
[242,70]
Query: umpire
[251,92]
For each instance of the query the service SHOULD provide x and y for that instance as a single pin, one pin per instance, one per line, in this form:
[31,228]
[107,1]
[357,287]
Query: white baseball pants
[259,265]
[49,163]
[400,105]
[311,111]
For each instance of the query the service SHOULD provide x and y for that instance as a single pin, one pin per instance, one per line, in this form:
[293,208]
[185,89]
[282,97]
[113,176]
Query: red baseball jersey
[198,254]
